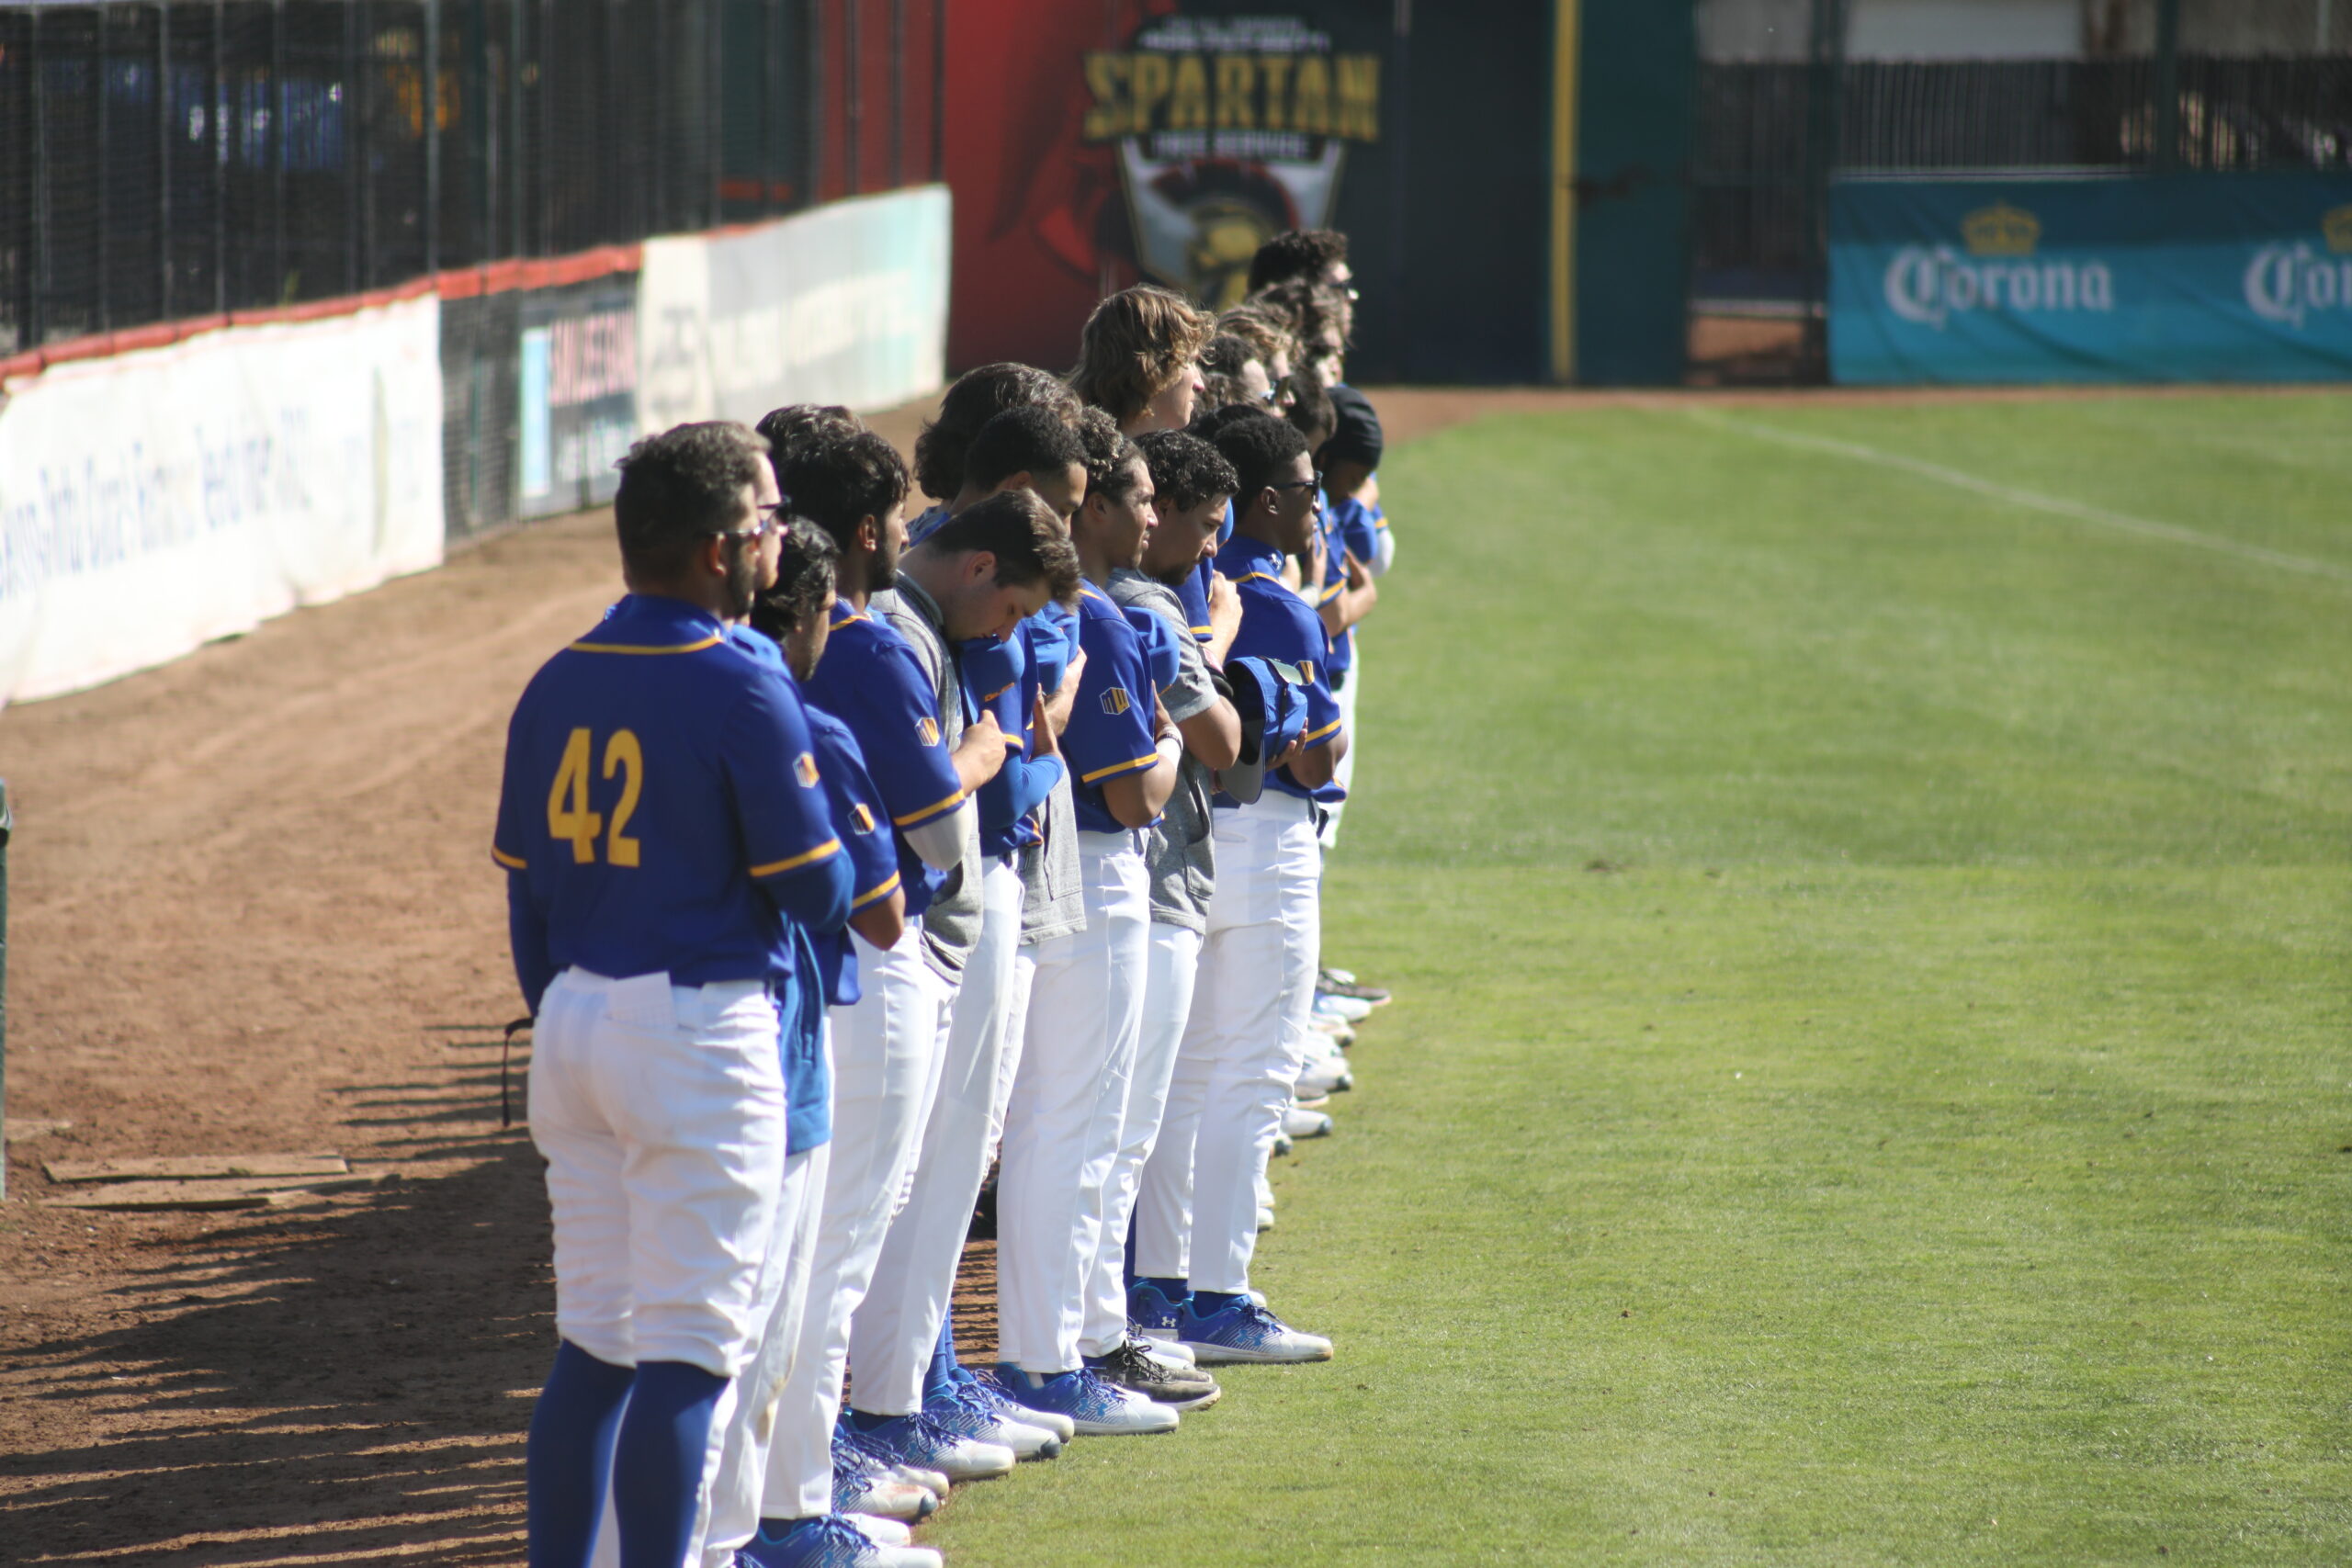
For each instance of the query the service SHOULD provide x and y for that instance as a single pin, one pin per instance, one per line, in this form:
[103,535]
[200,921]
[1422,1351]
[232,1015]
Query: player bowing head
[696,517]
[798,610]
[994,564]
[977,397]
[1137,359]
[1032,448]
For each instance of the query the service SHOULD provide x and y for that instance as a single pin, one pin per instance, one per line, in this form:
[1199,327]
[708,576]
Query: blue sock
[939,1378]
[865,1420]
[1208,1304]
[1174,1290]
[570,1456]
[657,1463]
[1127,1266]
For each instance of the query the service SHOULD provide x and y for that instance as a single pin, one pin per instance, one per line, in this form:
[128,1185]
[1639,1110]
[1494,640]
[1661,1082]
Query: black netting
[163,161]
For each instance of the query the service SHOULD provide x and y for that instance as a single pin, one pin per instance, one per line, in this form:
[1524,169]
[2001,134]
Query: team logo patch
[804,768]
[928,727]
[1116,700]
[860,819]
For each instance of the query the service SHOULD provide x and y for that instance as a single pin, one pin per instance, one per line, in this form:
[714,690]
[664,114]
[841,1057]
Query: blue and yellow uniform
[661,810]
[1111,725]
[1277,624]
[870,680]
[998,678]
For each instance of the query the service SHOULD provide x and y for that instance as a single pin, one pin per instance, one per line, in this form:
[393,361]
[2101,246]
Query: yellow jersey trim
[829,847]
[631,647]
[509,861]
[862,899]
[998,692]
[916,819]
[1327,729]
[1137,765]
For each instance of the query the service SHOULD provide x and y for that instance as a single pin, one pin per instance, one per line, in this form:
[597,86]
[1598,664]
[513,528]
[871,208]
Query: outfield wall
[161,488]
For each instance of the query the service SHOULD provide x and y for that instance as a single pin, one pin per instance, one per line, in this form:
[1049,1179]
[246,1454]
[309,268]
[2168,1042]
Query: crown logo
[2001,230]
[2337,226]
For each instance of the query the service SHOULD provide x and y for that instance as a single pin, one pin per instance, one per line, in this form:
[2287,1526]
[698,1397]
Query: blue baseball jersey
[1157,635]
[871,682]
[662,809]
[1277,624]
[1110,732]
[863,823]
[1345,529]
[997,678]
[1192,592]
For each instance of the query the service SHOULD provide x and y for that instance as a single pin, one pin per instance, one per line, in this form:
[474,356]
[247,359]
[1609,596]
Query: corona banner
[2209,277]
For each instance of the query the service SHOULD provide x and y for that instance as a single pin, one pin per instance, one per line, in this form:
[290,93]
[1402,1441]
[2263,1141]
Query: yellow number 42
[568,813]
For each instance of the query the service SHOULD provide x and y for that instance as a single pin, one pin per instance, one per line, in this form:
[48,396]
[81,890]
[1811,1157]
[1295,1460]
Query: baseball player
[1063,1123]
[663,824]
[1246,1035]
[853,485]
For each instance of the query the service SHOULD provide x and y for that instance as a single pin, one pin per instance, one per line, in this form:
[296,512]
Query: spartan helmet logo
[1114,701]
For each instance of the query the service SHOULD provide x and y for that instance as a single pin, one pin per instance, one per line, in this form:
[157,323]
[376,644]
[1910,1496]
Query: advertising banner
[2205,278]
[577,383]
[154,500]
[845,304]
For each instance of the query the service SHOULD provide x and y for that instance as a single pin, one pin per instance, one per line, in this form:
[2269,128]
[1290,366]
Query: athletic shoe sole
[1222,1355]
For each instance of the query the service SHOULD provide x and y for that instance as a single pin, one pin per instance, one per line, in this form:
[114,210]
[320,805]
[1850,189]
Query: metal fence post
[7,826]
[278,97]
[36,316]
[2166,119]
[105,300]
[355,126]
[897,93]
[429,67]
[163,139]
[216,119]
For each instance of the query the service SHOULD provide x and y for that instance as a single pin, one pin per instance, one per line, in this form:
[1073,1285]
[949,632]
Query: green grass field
[1872,1076]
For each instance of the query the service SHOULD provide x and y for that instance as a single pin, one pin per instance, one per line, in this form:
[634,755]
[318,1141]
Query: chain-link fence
[170,160]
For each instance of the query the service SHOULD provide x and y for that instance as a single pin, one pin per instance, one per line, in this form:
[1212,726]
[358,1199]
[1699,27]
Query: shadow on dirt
[348,1380]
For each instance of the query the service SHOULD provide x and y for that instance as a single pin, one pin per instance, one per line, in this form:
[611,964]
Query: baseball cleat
[881,1531]
[1134,1368]
[1341,1034]
[1246,1331]
[1347,1010]
[972,1415]
[1095,1407]
[1283,1146]
[975,1389]
[1301,1123]
[1265,1219]
[1150,1315]
[828,1541]
[863,1484]
[1324,1075]
[845,1431]
[920,1441]
[1340,983]
[1165,1350]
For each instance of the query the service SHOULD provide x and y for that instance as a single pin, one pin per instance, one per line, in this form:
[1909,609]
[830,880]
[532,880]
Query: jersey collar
[1243,556]
[652,623]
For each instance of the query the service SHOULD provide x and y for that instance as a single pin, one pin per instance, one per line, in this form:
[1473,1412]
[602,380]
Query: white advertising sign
[157,500]
[843,304]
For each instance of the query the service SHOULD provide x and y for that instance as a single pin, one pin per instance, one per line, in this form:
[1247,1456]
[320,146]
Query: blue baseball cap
[1271,698]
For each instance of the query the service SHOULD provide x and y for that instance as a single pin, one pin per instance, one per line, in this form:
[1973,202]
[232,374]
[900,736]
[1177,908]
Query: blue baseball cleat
[828,1541]
[1246,1331]
[1095,1408]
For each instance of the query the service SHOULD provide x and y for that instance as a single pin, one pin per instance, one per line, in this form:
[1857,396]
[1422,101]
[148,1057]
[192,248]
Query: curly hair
[804,577]
[837,479]
[1110,457]
[787,427]
[1311,308]
[1135,346]
[1185,469]
[1032,440]
[1267,332]
[1257,446]
[1305,254]
[1311,410]
[977,397]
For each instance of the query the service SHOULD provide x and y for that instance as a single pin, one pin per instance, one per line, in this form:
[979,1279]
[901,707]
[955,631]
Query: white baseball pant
[1062,1125]
[1243,1046]
[660,1112]
[886,1050]
[897,1327]
[1173,960]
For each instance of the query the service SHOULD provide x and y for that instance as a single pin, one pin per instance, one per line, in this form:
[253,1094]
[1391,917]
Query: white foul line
[2123,522]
